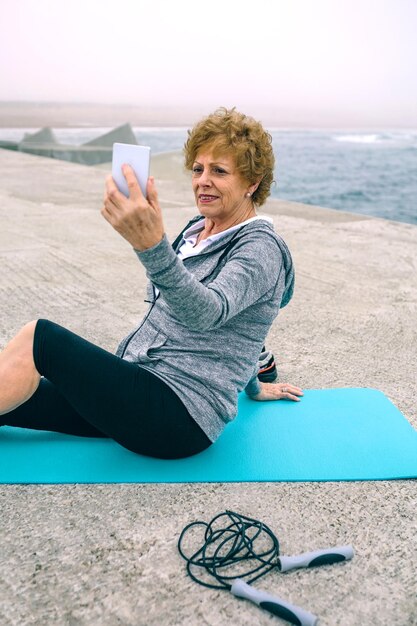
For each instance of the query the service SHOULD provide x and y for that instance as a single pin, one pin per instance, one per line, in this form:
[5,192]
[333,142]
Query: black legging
[90,392]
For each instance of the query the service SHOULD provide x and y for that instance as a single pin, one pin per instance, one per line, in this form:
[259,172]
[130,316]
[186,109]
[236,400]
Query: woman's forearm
[194,304]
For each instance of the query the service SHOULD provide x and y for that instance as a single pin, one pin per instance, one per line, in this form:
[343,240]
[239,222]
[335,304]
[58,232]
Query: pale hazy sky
[355,59]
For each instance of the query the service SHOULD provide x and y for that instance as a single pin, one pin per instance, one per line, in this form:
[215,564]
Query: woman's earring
[248,194]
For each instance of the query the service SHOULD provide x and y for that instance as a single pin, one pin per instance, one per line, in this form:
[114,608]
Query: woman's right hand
[278,391]
[136,218]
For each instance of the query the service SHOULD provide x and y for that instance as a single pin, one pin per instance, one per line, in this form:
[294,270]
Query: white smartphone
[138,157]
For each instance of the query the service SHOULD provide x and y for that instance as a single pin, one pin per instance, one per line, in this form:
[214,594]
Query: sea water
[367,172]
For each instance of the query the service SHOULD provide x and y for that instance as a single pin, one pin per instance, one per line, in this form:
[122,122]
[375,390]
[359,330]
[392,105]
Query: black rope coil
[226,548]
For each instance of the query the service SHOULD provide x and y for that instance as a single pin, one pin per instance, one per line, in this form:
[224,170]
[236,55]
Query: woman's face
[218,187]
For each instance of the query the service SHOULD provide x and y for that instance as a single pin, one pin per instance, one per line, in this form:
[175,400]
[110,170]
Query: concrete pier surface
[106,554]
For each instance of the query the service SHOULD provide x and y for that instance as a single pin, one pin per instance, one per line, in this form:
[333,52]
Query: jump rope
[232,544]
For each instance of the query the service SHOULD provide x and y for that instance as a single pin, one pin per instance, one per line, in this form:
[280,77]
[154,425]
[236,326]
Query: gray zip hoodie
[204,331]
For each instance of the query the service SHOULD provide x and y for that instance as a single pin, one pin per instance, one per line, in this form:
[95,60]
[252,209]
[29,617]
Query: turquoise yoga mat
[332,434]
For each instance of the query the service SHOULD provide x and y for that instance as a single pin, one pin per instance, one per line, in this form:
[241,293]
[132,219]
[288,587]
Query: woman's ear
[254,187]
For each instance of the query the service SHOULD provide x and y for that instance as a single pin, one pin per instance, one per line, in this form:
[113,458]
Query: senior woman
[170,390]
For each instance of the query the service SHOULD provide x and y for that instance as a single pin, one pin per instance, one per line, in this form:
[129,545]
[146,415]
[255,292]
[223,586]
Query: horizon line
[297,119]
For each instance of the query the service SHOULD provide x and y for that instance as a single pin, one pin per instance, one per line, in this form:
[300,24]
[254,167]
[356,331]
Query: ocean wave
[359,138]
[354,194]
[374,138]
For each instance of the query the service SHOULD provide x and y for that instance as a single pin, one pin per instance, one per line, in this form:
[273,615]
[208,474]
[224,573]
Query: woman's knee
[18,374]
[20,348]
[25,337]
[29,329]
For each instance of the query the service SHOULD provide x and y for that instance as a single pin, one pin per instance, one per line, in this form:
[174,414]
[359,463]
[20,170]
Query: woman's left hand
[278,391]
[136,218]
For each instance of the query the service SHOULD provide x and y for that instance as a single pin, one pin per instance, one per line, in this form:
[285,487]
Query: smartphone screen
[138,157]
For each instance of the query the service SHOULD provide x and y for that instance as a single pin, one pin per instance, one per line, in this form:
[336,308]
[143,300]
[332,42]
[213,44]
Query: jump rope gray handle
[318,557]
[273,604]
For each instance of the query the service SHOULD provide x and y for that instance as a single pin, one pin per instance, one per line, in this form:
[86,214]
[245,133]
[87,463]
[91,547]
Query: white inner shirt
[189,248]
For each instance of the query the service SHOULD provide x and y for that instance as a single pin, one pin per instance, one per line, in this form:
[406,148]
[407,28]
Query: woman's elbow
[203,323]
[206,318]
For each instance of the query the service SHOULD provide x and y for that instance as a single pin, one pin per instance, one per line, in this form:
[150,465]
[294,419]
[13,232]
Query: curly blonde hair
[226,131]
